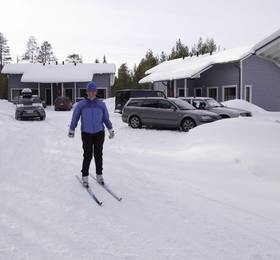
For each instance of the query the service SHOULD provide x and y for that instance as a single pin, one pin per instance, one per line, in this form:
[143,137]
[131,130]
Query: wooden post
[62,90]
[186,88]
[175,87]
[39,92]
[52,94]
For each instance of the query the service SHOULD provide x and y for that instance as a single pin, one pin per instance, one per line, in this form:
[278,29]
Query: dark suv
[166,113]
[122,96]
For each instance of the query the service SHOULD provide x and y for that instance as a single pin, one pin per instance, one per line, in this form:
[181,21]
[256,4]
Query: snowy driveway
[212,193]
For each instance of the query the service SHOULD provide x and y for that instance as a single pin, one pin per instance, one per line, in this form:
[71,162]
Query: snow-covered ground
[212,193]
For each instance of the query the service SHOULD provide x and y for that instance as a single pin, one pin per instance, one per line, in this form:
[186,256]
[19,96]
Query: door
[167,115]
[69,93]
[149,112]
[48,96]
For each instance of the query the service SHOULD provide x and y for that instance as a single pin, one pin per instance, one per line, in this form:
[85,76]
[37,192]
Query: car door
[149,112]
[167,114]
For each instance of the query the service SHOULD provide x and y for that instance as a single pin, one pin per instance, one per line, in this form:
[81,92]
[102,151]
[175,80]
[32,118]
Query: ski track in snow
[185,195]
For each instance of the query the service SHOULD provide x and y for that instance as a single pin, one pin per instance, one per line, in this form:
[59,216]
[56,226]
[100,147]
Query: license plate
[29,112]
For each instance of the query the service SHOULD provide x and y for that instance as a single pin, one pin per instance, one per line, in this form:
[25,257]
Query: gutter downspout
[241,79]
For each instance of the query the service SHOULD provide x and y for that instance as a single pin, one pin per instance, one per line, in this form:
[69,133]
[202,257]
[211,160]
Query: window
[69,93]
[248,93]
[229,93]
[150,103]
[163,104]
[15,93]
[199,104]
[101,92]
[183,105]
[134,103]
[198,92]
[181,92]
[212,92]
[83,92]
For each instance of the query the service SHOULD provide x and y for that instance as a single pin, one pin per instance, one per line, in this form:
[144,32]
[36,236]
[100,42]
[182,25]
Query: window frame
[217,94]
[251,93]
[195,89]
[229,86]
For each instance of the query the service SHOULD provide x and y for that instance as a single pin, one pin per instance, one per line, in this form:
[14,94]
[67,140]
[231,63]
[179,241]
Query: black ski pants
[93,145]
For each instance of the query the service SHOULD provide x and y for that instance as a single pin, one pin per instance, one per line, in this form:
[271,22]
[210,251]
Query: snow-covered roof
[192,67]
[52,73]
[269,47]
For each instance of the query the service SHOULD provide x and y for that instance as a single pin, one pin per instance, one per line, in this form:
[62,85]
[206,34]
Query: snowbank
[243,104]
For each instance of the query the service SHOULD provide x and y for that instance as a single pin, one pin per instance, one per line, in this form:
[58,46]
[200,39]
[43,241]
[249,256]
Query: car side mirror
[174,108]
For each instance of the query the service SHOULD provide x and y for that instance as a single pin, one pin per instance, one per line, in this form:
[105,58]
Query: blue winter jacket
[94,115]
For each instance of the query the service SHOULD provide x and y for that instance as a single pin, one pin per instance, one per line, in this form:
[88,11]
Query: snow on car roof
[53,73]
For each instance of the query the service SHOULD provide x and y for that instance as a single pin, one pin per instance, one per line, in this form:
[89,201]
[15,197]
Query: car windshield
[183,105]
[213,103]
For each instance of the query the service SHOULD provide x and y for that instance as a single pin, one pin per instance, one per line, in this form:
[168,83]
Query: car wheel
[135,122]
[187,124]
[42,118]
[224,116]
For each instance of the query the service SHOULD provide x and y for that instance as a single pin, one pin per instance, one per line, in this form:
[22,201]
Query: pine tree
[104,59]
[212,47]
[123,80]
[96,61]
[46,53]
[163,57]
[203,47]
[148,62]
[74,58]
[5,56]
[32,50]
[179,51]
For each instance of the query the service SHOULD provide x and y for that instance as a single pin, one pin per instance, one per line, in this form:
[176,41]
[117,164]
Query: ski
[105,187]
[90,192]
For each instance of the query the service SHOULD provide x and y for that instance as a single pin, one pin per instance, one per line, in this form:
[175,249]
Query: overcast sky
[124,29]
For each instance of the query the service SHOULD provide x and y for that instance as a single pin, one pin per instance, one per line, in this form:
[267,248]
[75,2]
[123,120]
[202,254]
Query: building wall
[218,76]
[264,77]
[15,83]
[102,80]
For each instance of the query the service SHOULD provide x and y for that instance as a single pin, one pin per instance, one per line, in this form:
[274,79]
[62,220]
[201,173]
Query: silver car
[164,112]
[210,104]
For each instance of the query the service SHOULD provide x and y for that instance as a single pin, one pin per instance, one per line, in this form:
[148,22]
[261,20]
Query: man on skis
[94,114]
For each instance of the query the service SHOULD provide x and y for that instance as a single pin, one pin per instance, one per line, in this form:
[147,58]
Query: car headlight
[206,118]
[20,105]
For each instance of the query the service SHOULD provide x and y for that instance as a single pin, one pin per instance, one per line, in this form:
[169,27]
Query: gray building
[52,80]
[251,73]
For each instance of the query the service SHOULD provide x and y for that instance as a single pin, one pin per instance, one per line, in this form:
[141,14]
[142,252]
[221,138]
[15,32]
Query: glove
[111,133]
[71,133]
